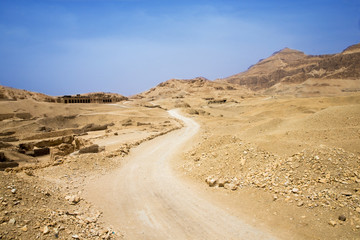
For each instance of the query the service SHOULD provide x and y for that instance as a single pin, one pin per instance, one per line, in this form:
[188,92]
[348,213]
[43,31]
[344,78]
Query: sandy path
[144,199]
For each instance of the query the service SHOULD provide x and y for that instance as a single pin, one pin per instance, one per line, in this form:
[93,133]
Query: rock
[275,197]
[301,203]
[75,236]
[295,190]
[13,191]
[231,186]
[12,221]
[222,182]
[46,230]
[26,146]
[346,193]
[61,150]
[91,149]
[24,228]
[93,127]
[211,181]
[41,152]
[342,218]
[332,223]
[357,209]
[73,199]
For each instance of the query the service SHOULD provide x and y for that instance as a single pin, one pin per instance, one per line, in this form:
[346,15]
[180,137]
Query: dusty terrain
[231,163]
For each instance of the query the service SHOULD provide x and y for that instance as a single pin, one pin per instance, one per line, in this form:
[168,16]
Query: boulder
[62,150]
[90,149]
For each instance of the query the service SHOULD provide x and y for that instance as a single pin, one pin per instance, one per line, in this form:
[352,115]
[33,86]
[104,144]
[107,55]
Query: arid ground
[188,159]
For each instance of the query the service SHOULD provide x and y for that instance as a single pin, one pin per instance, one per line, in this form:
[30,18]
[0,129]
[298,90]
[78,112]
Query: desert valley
[269,153]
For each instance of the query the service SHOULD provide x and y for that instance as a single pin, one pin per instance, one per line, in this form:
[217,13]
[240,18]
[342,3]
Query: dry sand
[281,166]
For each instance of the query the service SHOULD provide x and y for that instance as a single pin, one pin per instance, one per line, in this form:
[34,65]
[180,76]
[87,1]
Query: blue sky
[62,47]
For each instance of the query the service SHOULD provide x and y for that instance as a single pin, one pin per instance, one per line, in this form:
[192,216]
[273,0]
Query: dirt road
[145,200]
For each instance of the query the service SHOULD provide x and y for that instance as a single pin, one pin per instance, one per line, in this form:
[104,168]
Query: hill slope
[8,93]
[292,71]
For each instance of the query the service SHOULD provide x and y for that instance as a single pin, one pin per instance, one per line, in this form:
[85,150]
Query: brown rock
[91,149]
[332,223]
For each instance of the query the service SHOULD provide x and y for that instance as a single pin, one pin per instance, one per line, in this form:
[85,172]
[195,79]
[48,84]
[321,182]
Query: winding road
[145,200]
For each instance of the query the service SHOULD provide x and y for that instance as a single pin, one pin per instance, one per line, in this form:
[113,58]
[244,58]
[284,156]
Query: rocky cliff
[291,66]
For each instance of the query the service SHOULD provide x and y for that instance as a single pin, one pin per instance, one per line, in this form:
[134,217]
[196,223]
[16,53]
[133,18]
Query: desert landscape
[269,153]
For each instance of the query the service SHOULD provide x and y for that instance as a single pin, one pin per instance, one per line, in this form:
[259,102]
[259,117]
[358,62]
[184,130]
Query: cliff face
[292,66]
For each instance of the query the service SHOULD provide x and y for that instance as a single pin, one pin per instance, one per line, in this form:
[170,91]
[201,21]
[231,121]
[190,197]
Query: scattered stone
[75,236]
[342,218]
[24,228]
[46,230]
[300,204]
[332,223]
[275,197]
[12,221]
[230,186]
[222,182]
[295,190]
[211,181]
[13,191]
[73,199]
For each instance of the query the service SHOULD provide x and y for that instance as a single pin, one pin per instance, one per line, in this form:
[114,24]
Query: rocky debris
[192,111]
[74,199]
[61,150]
[44,129]
[39,211]
[320,178]
[94,127]
[90,149]
[127,122]
[217,101]
[211,181]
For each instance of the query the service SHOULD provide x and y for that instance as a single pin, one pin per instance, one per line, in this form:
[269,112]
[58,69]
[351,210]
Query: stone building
[89,99]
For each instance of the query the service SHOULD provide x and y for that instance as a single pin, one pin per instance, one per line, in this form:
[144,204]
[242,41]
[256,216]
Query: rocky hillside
[105,95]
[284,70]
[180,88]
[8,93]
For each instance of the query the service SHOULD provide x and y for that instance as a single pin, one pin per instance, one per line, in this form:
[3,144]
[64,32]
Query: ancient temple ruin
[90,99]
